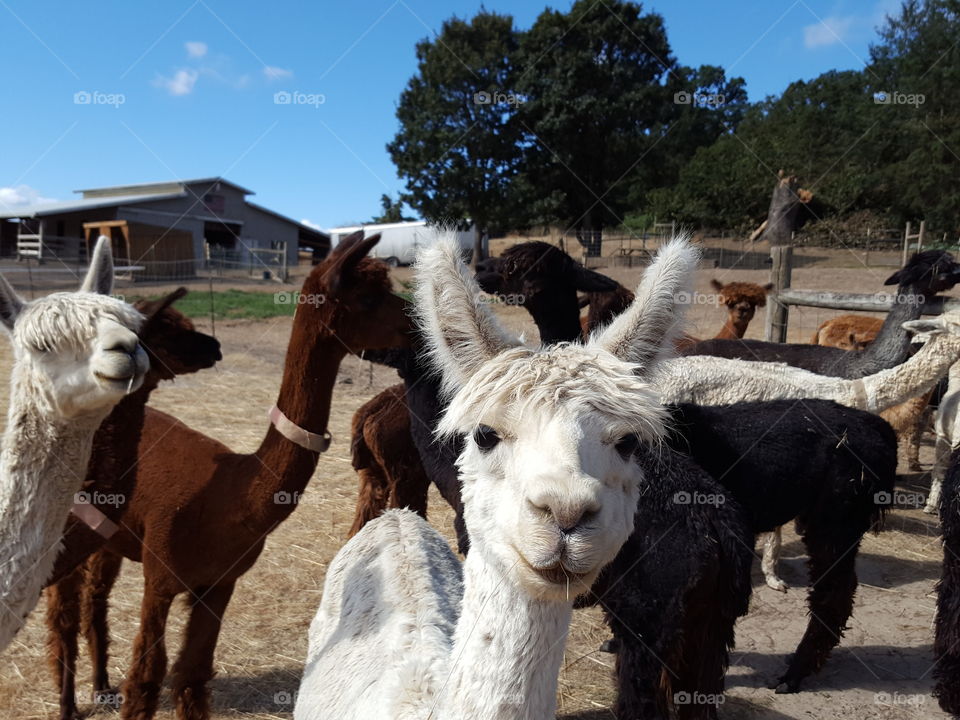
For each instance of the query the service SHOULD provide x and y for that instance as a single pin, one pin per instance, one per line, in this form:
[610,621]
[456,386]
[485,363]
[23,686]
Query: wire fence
[38,277]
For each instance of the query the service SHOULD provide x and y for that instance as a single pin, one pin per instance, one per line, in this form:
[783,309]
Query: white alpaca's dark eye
[486,437]
[627,446]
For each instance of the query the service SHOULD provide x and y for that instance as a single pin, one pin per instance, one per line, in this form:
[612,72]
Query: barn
[168,229]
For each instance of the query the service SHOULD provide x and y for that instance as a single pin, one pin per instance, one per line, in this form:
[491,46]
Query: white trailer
[400,242]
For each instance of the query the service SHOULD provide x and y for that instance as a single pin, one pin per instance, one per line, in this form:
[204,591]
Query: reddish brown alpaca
[199,516]
[175,348]
[741,300]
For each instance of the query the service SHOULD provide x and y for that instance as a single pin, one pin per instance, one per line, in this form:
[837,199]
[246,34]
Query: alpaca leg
[941,460]
[914,434]
[699,686]
[771,559]
[946,646]
[642,683]
[372,498]
[101,571]
[63,626]
[145,677]
[832,564]
[647,639]
[409,488]
[194,667]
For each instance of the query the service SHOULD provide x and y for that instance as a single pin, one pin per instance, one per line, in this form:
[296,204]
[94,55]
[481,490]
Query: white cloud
[21,196]
[830,31]
[311,224]
[182,82]
[196,49]
[276,73]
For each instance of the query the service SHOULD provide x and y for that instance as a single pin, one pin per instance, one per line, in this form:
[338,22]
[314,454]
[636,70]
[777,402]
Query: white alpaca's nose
[569,512]
[128,345]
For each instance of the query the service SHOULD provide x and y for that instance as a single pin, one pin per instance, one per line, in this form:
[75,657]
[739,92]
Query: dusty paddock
[881,669]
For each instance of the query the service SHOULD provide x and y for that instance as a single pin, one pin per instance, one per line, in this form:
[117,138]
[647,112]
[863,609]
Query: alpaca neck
[42,466]
[914,377]
[732,329]
[282,468]
[115,444]
[892,344]
[507,649]
[556,315]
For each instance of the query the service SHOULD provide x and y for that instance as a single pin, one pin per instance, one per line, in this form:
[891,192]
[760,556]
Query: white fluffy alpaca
[708,380]
[550,485]
[75,356]
[947,428]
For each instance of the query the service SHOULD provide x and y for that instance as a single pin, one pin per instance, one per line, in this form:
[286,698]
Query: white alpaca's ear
[99,277]
[459,328]
[645,331]
[10,304]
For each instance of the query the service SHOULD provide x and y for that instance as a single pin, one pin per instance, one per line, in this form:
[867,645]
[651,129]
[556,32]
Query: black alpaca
[828,466]
[946,647]
[674,592]
[924,275]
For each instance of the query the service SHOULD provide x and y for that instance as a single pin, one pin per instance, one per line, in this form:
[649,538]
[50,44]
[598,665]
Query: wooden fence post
[782,219]
[777,312]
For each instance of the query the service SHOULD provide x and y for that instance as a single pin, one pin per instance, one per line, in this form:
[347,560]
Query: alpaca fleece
[827,466]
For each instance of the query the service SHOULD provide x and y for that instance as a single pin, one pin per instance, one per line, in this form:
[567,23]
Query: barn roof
[59,208]
[137,194]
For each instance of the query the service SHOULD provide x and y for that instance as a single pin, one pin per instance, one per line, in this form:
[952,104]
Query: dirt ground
[880,670]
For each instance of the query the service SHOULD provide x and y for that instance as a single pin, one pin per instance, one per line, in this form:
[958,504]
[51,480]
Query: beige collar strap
[296,434]
[93,518]
[860,397]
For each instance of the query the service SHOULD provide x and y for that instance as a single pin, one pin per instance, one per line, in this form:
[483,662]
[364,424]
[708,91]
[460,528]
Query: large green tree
[391,211]
[457,147]
[818,129]
[597,101]
[916,65]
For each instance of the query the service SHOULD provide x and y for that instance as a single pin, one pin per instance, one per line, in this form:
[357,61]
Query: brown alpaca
[602,307]
[741,300]
[909,419]
[199,516]
[382,453]
[175,348]
[848,332]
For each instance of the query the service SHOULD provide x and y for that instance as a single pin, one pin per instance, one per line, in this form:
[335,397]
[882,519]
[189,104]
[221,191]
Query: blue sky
[182,89]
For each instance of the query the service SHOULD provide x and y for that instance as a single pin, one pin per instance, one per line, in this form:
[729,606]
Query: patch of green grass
[236,304]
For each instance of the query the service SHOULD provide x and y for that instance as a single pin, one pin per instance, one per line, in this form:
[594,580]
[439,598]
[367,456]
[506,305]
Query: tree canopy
[587,118]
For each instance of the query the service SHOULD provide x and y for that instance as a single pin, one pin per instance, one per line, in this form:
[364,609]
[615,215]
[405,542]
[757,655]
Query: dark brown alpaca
[199,516]
[382,452]
[175,348]
[602,307]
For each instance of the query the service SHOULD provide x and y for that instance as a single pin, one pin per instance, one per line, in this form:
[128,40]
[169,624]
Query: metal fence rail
[32,276]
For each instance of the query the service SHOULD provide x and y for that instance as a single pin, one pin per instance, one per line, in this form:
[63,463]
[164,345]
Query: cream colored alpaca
[947,428]
[550,485]
[708,380]
[75,356]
